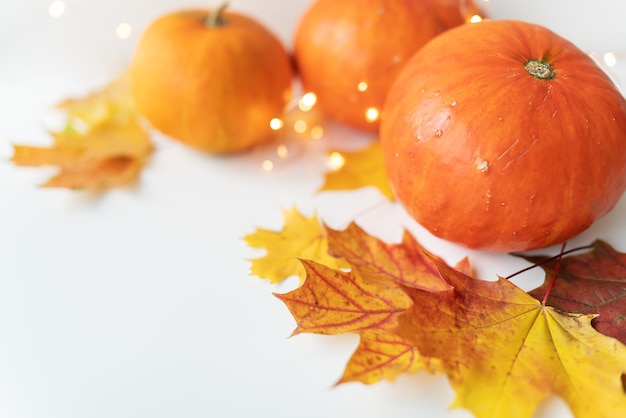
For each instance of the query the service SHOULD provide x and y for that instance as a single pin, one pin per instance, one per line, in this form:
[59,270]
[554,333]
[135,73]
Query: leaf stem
[554,273]
[547,260]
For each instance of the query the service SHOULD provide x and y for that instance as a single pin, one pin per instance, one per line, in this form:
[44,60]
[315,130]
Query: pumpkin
[503,136]
[211,79]
[348,53]
[454,12]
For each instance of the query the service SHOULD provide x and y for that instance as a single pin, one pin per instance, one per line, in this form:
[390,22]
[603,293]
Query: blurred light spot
[317,132]
[371,114]
[267,165]
[276,124]
[56,9]
[282,151]
[300,126]
[336,161]
[307,102]
[610,59]
[362,86]
[123,30]
[475,19]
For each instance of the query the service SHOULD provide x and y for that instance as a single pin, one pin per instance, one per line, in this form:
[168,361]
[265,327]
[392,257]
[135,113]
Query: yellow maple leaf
[111,104]
[505,352]
[357,169]
[301,237]
[103,143]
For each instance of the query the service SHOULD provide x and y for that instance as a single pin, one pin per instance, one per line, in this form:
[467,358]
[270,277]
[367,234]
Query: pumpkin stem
[540,69]
[215,18]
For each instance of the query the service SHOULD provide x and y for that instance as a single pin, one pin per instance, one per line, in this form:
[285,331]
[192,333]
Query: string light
[282,151]
[475,19]
[56,9]
[276,124]
[267,165]
[336,161]
[610,59]
[371,114]
[307,102]
[300,126]
[317,132]
[362,86]
[123,30]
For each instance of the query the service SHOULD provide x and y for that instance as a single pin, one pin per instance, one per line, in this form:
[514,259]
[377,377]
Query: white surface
[138,303]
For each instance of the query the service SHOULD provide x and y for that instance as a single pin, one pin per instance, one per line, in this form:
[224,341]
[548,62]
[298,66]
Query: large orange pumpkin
[348,53]
[211,79]
[503,136]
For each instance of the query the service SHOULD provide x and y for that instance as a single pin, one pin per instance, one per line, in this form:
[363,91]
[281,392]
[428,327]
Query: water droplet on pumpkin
[453,103]
[500,118]
[483,166]
[397,155]
[438,133]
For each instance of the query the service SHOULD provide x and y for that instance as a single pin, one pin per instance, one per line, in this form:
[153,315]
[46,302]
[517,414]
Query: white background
[138,302]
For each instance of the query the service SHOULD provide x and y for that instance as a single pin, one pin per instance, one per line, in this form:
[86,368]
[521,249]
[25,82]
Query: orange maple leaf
[357,169]
[385,355]
[335,302]
[103,143]
[406,263]
[369,300]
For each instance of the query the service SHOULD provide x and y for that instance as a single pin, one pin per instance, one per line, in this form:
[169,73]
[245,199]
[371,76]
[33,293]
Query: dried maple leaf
[589,283]
[384,355]
[359,169]
[505,352]
[406,263]
[367,300]
[336,302]
[301,237]
[102,145]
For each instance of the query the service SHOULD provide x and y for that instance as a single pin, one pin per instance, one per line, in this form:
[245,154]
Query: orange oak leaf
[385,355]
[301,237]
[103,143]
[589,283]
[357,169]
[331,301]
[505,352]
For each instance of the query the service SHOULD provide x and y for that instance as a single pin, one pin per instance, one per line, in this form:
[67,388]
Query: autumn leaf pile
[503,350]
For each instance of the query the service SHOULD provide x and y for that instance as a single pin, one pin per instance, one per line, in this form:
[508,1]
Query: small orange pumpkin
[348,52]
[504,136]
[454,12]
[211,79]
